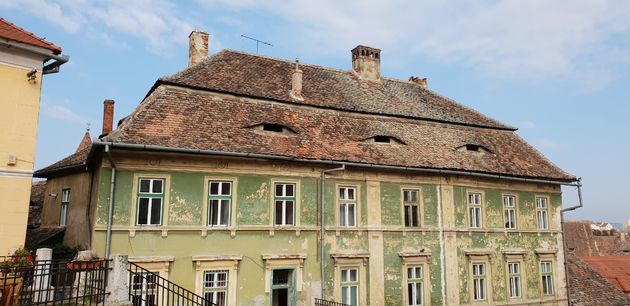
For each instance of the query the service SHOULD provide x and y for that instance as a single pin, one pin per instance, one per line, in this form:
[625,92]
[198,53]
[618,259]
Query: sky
[557,70]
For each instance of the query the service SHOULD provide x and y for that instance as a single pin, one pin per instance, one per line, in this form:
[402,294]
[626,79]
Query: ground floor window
[282,287]
[415,292]
[350,286]
[144,289]
[547,277]
[479,281]
[215,287]
[514,279]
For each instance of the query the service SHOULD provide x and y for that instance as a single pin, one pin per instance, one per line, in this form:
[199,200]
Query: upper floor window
[411,205]
[347,206]
[474,210]
[150,201]
[219,203]
[284,203]
[350,286]
[514,279]
[215,287]
[509,211]
[546,273]
[542,213]
[479,281]
[65,202]
[415,292]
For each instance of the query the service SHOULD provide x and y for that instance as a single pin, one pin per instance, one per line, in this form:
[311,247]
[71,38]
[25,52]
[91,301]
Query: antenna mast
[258,41]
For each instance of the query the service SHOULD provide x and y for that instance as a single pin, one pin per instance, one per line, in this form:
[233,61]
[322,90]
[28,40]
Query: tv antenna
[258,41]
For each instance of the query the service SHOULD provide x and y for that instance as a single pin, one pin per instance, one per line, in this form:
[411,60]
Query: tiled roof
[178,117]
[589,288]
[12,32]
[75,160]
[614,268]
[581,241]
[263,77]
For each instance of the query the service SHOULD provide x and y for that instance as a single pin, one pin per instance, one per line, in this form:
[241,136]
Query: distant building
[24,59]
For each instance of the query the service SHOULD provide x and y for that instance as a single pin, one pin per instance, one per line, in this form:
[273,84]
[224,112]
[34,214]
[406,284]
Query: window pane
[225,212]
[214,212]
[344,294]
[289,190]
[342,214]
[214,188]
[419,294]
[418,272]
[414,215]
[144,186]
[407,215]
[342,193]
[143,210]
[344,275]
[156,210]
[226,188]
[414,196]
[220,298]
[279,192]
[157,186]
[351,215]
[353,275]
[410,273]
[350,193]
[410,289]
[289,212]
[354,295]
[405,195]
[279,212]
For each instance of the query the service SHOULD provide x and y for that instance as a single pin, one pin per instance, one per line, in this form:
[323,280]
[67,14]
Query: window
[282,287]
[411,208]
[150,201]
[144,289]
[541,213]
[284,204]
[514,279]
[547,277]
[479,281]
[415,292]
[347,206]
[350,286]
[219,203]
[474,210]
[65,201]
[215,287]
[509,211]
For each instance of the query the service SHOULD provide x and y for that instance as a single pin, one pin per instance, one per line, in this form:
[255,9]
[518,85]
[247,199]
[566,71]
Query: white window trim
[516,255]
[344,261]
[289,261]
[64,206]
[134,198]
[272,201]
[213,263]
[546,210]
[233,205]
[515,208]
[357,201]
[482,208]
[420,206]
[347,201]
[484,257]
[548,255]
[416,259]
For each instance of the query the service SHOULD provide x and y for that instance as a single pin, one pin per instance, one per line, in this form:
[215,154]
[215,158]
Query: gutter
[564,241]
[322,230]
[50,68]
[567,182]
[110,212]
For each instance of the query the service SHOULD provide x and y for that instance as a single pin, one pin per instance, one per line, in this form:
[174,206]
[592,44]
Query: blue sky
[558,70]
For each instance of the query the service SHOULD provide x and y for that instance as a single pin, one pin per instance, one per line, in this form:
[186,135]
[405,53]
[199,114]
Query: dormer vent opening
[382,139]
[273,127]
[472,147]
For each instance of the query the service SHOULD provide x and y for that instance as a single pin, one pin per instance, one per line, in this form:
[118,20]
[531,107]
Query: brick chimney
[296,82]
[420,81]
[366,62]
[197,47]
[108,116]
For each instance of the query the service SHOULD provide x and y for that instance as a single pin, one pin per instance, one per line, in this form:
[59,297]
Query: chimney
[296,82]
[198,47]
[422,82]
[366,62]
[108,116]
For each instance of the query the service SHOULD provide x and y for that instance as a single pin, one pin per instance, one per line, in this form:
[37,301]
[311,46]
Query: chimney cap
[198,31]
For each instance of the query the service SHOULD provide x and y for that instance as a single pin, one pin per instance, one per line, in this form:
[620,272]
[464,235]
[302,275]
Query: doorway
[282,287]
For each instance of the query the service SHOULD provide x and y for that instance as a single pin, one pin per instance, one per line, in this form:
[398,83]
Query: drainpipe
[442,247]
[50,68]
[322,230]
[564,241]
[110,211]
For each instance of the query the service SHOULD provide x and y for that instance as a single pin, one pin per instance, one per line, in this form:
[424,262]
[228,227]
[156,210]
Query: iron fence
[52,282]
[320,302]
[148,288]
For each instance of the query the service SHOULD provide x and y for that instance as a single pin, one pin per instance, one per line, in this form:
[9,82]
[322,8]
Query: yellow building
[24,59]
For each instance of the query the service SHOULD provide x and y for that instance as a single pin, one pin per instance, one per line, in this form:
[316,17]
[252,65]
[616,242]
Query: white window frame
[546,277]
[542,213]
[144,291]
[416,259]
[509,212]
[475,209]
[409,205]
[65,203]
[415,280]
[220,197]
[479,281]
[151,196]
[217,288]
[347,201]
[514,280]
[346,284]
[228,263]
[285,199]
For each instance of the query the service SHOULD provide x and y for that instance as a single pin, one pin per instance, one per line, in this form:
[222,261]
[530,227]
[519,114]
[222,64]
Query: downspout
[50,68]
[322,230]
[110,211]
[442,247]
[564,241]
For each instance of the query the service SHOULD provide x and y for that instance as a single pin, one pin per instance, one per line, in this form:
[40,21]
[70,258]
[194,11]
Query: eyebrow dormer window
[384,139]
[272,127]
[473,147]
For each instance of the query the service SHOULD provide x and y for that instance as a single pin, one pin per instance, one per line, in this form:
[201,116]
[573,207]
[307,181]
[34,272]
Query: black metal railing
[24,281]
[147,288]
[320,302]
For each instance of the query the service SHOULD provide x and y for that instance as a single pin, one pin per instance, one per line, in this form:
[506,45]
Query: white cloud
[61,112]
[52,12]
[523,39]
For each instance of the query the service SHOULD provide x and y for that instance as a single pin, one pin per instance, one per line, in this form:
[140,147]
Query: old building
[254,181]
[24,59]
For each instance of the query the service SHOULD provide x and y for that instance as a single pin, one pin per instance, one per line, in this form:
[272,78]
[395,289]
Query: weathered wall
[378,240]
